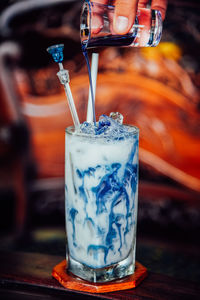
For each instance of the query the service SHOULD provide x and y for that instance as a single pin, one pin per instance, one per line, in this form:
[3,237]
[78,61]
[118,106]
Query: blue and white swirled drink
[101,185]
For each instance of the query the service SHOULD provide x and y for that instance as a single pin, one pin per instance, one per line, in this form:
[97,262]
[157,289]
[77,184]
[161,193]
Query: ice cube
[117,117]
[103,124]
[104,121]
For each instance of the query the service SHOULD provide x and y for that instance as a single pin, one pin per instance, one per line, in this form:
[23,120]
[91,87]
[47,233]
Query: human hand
[125,12]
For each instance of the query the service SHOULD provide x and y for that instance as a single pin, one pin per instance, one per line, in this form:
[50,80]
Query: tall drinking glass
[97,27]
[101,192]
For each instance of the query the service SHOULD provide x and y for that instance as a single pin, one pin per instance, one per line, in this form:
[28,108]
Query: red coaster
[72,282]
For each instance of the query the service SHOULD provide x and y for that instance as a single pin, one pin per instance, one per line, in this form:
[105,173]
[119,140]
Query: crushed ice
[87,128]
[109,127]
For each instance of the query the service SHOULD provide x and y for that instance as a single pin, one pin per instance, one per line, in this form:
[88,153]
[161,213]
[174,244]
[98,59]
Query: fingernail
[121,23]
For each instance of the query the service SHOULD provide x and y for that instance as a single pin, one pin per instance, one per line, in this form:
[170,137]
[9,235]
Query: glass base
[119,270]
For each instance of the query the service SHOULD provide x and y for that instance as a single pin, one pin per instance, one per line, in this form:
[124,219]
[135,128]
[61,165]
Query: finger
[97,20]
[160,5]
[124,17]
[101,1]
[143,3]
[96,23]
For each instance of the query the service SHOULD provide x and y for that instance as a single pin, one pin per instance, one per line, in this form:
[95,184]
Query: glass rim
[70,130]
[87,4]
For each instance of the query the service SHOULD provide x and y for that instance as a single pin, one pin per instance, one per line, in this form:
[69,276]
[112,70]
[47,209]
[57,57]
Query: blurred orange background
[156,89]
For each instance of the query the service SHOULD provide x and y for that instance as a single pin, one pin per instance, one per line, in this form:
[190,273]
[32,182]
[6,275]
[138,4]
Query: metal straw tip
[57,52]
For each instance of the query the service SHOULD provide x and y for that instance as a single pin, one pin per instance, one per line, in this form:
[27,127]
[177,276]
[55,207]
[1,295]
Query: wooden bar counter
[28,276]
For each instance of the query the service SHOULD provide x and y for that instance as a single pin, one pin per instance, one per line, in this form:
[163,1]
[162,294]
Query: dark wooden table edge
[155,286]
